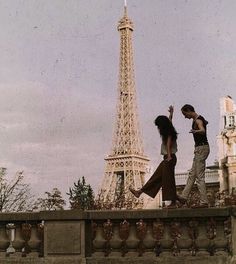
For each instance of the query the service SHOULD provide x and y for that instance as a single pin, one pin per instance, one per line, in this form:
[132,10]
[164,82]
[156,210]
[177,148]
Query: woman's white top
[174,148]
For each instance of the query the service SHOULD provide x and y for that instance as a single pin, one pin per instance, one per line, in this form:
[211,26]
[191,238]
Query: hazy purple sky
[59,74]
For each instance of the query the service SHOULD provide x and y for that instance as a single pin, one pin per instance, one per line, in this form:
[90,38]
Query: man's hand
[200,128]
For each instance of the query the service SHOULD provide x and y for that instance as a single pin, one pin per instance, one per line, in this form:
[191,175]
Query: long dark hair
[166,128]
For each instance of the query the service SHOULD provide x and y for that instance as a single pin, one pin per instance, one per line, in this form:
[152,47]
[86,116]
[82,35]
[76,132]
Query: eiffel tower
[127,164]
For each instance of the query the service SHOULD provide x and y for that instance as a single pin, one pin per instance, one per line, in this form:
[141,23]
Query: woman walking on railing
[164,176]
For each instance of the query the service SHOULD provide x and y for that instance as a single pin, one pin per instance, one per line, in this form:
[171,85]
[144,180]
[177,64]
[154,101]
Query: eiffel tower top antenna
[125,8]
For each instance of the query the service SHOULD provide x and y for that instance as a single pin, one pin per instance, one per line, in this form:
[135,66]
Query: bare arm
[169,147]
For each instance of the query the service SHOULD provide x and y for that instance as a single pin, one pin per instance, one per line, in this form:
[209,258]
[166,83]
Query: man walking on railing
[201,152]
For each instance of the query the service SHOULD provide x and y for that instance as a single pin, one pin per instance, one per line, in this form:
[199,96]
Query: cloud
[54,136]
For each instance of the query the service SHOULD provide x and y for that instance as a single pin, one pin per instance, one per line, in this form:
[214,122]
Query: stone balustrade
[136,236]
[20,235]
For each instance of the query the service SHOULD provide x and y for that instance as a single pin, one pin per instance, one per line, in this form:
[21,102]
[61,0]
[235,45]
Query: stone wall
[135,236]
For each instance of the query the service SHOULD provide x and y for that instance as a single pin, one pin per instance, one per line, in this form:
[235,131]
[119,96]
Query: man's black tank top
[200,139]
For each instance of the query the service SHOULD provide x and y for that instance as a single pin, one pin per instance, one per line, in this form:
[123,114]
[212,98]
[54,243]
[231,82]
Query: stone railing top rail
[163,213]
[118,214]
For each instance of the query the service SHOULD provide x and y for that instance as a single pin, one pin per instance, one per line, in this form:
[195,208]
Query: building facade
[227,144]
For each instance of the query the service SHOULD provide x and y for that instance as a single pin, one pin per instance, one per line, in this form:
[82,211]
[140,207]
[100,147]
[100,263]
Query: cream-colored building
[227,144]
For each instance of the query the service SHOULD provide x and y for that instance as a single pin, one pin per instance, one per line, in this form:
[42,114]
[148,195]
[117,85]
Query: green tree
[15,195]
[53,201]
[81,195]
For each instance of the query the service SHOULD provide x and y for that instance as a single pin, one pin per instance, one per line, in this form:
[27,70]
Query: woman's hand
[169,158]
[171,111]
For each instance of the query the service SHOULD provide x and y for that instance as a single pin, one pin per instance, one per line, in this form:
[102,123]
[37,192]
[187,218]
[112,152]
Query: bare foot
[136,193]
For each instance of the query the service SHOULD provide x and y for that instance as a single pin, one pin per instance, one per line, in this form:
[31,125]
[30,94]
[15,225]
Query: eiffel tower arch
[126,164]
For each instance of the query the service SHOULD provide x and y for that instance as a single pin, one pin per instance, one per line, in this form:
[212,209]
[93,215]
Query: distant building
[227,144]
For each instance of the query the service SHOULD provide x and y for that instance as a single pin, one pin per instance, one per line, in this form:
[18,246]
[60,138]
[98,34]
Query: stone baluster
[34,242]
[175,233]
[10,229]
[94,233]
[149,241]
[26,234]
[211,234]
[116,241]
[132,241]
[40,229]
[228,234]
[19,241]
[193,234]
[141,228]
[124,234]
[158,232]
[107,233]
[99,241]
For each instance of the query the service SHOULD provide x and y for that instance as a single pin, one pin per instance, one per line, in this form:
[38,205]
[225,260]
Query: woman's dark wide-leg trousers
[164,177]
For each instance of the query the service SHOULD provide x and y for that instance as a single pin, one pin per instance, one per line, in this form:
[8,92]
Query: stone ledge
[117,214]
[163,260]
[44,215]
[48,260]
[161,213]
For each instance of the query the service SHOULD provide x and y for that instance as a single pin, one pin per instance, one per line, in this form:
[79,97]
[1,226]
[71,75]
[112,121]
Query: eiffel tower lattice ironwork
[126,165]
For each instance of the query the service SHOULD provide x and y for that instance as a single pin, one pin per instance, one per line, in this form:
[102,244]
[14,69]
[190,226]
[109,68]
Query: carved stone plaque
[63,238]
